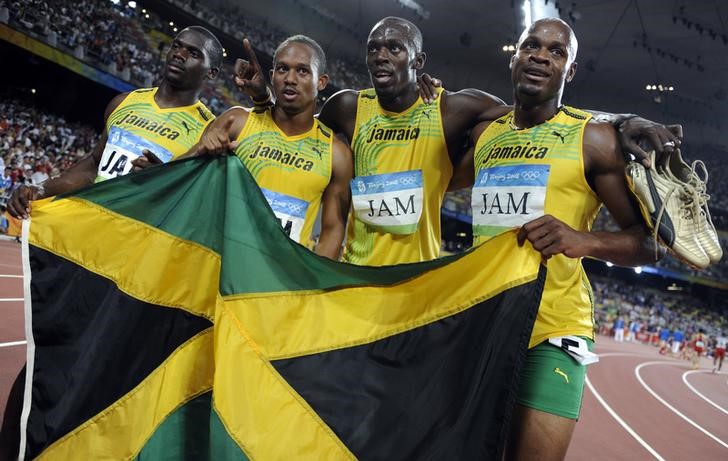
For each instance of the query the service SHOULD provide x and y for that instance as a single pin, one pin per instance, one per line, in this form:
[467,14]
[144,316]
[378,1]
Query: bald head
[411,31]
[554,23]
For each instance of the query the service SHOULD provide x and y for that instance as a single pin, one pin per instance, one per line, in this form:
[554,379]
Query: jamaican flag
[169,317]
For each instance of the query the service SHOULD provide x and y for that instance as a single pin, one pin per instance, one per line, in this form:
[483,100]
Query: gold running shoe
[673,220]
[695,193]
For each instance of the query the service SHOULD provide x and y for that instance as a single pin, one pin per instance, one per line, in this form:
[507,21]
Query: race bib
[290,211]
[577,348]
[699,344]
[121,148]
[389,202]
[505,197]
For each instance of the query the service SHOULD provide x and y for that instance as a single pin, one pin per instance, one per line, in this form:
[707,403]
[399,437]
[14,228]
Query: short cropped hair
[213,45]
[318,52]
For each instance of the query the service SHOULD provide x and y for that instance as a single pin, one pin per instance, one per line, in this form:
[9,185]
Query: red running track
[637,426]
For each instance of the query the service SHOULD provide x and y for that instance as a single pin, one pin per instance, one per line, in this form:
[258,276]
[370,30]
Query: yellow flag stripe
[274,423]
[120,431]
[160,269]
[294,324]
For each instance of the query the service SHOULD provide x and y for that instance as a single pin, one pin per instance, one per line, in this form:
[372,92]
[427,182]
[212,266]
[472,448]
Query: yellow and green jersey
[292,171]
[521,175]
[402,170]
[138,123]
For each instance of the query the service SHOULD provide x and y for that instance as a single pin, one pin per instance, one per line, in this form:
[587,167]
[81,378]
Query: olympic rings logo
[408,180]
[295,208]
[530,175]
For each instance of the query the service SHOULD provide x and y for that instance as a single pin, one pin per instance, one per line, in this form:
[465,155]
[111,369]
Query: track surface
[638,405]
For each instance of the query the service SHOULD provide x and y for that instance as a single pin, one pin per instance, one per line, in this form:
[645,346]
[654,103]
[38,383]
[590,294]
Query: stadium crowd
[35,145]
[647,315]
[127,42]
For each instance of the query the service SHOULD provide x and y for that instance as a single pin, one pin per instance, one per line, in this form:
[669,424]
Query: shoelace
[696,195]
[701,187]
[689,200]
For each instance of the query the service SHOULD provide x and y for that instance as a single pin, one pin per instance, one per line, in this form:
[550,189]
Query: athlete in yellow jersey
[164,121]
[144,126]
[524,174]
[545,169]
[402,171]
[138,123]
[296,160]
[383,234]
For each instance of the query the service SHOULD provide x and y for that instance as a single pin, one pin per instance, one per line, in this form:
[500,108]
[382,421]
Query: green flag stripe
[187,188]
[184,435]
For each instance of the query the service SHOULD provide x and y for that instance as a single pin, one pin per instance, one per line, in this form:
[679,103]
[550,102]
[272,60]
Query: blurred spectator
[35,145]
[674,314]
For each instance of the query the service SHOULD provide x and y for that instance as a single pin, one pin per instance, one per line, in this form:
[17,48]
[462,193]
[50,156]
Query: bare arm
[604,169]
[464,171]
[81,174]
[219,136]
[461,111]
[633,129]
[339,113]
[335,202]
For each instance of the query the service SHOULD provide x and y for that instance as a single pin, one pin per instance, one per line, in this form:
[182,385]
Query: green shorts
[552,381]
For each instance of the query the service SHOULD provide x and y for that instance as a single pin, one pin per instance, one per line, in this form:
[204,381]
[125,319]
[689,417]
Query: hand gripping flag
[169,317]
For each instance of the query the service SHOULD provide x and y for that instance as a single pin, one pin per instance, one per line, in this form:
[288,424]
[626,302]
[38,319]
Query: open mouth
[289,93]
[381,77]
[536,74]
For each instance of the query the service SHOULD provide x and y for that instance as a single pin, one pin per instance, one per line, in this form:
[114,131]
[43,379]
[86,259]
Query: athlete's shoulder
[141,94]
[339,111]
[203,112]
[576,114]
[469,101]
[347,97]
[115,102]
[322,128]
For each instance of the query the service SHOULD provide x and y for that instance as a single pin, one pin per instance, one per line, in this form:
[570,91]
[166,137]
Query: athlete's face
[188,64]
[542,64]
[296,79]
[392,59]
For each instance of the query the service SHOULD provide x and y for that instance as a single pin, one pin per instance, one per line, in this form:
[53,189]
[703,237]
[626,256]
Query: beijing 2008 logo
[361,186]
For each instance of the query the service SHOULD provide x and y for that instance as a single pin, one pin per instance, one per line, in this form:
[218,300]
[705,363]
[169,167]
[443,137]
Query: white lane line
[621,422]
[6,300]
[674,410]
[10,276]
[685,380]
[624,354]
[13,343]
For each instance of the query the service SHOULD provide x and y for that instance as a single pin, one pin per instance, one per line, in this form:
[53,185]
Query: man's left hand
[146,160]
[663,138]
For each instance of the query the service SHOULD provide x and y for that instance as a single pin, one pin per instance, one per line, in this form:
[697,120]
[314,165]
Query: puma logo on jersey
[184,124]
[556,133]
[558,371]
